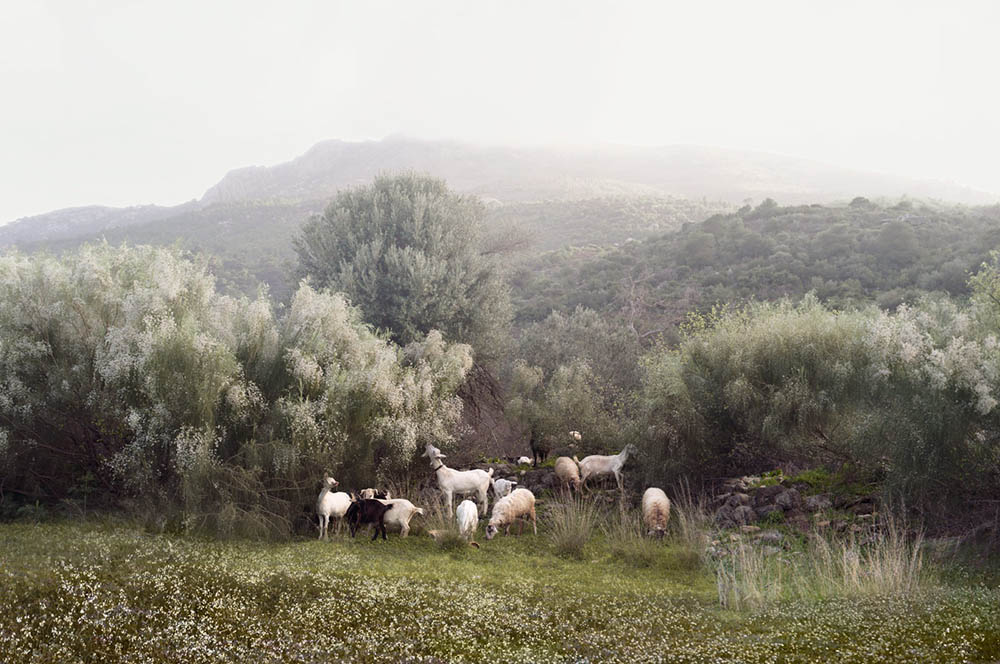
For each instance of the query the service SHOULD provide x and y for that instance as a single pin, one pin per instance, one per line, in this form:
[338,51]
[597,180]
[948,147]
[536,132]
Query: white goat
[331,504]
[468,520]
[655,511]
[400,514]
[597,464]
[568,473]
[523,461]
[520,502]
[459,481]
[503,487]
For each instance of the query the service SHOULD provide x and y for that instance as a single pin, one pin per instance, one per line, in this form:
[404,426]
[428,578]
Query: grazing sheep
[523,461]
[503,487]
[655,511]
[468,519]
[367,511]
[520,503]
[568,474]
[402,511]
[331,504]
[597,464]
[459,481]
[539,447]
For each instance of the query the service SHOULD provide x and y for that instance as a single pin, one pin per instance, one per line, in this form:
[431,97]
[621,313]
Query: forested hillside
[850,254]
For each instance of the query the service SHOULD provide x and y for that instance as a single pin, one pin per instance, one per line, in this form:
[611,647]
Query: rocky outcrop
[744,503]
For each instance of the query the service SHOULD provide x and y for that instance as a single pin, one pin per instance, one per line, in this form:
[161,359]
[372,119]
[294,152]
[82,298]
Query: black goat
[539,447]
[367,511]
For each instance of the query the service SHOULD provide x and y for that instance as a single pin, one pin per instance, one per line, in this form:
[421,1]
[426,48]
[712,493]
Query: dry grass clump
[885,561]
[571,524]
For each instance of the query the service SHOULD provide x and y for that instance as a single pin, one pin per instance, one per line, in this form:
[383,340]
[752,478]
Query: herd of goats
[381,509]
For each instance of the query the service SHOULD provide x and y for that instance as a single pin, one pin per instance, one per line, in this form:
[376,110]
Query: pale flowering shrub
[908,396]
[126,363]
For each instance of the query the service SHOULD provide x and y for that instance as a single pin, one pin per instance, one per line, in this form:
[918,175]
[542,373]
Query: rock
[818,503]
[797,520]
[738,499]
[765,510]
[743,515]
[720,500]
[788,499]
[724,516]
[770,537]
[765,494]
[864,507]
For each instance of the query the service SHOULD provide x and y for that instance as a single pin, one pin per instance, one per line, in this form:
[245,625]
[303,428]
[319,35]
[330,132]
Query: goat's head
[432,453]
[329,482]
[367,494]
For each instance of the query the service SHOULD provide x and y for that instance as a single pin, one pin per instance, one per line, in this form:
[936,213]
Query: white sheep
[568,473]
[523,461]
[503,487]
[400,514]
[459,481]
[520,503]
[655,511]
[598,464]
[331,504]
[468,519]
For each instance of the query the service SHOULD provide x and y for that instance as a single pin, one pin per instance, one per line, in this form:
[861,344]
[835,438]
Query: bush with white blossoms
[127,364]
[909,396]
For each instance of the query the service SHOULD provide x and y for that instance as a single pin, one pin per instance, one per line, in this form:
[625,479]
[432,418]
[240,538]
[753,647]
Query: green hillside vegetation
[601,221]
[848,255]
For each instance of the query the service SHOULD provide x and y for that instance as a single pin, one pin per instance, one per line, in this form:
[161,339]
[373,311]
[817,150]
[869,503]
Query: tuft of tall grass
[883,561]
[571,524]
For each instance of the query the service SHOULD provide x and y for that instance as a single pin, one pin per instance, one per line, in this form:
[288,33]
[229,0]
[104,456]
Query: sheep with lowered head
[568,473]
[520,503]
[655,511]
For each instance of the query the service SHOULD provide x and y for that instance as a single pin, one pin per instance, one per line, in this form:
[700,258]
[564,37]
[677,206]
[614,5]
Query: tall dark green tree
[409,252]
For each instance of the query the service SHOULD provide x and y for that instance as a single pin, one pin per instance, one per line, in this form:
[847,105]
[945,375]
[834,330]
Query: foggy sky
[123,103]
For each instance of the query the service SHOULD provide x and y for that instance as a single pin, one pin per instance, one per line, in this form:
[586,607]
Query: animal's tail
[490,472]
[577,461]
[420,511]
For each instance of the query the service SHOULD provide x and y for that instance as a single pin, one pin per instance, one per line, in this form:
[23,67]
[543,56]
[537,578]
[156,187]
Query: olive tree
[409,253]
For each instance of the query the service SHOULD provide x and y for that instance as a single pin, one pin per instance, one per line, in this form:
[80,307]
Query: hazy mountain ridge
[511,175]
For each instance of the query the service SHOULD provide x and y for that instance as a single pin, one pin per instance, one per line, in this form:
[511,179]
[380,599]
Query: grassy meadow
[105,591]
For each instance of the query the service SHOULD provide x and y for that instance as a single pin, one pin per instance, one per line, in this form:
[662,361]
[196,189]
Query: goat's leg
[534,524]
[405,530]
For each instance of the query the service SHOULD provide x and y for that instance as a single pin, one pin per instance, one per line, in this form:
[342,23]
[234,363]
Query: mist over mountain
[531,174]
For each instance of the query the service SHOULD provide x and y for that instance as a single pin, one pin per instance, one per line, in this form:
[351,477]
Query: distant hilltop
[510,175]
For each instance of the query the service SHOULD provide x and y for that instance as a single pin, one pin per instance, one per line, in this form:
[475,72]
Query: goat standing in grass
[364,511]
[468,520]
[598,464]
[459,481]
[331,504]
